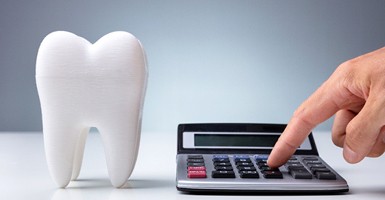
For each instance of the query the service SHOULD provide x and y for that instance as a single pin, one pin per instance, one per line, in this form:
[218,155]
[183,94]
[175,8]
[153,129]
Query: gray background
[209,61]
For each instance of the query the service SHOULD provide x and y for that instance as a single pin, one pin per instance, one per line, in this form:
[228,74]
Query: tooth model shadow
[83,85]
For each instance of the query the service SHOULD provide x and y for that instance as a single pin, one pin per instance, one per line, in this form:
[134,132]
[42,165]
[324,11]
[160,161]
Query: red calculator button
[199,168]
[196,174]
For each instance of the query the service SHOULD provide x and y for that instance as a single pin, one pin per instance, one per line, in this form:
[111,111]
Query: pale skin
[355,93]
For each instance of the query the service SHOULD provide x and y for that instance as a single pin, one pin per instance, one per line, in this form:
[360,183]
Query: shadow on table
[102,189]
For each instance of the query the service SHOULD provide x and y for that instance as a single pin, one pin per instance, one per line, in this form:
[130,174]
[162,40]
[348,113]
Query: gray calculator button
[195,164]
[314,170]
[326,175]
[194,160]
[301,174]
[195,156]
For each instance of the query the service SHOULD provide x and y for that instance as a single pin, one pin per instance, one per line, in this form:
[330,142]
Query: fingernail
[350,155]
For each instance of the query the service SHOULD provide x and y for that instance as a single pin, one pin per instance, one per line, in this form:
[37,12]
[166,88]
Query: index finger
[321,105]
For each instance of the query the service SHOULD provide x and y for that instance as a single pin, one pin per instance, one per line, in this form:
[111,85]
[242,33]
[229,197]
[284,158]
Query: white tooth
[83,85]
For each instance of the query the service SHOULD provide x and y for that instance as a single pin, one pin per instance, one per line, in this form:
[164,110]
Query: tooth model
[83,85]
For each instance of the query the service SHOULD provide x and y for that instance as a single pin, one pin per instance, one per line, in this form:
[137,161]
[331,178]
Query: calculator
[231,157]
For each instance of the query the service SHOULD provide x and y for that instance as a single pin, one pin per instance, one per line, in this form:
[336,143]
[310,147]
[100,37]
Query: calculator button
[308,158]
[221,160]
[195,157]
[196,174]
[223,168]
[262,164]
[301,174]
[292,162]
[242,168]
[316,166]
[261,157]
[245,164]
[267,168]
[220,156]
[294,166]
[222,164]
[315,170]
[223,174]
[195,164]
[199,168]
[194,160]
[312,162]
[272,174]
[249,174]
[240,160]
[325,175]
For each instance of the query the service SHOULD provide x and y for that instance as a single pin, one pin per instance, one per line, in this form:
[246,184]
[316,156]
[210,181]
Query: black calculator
[231,157]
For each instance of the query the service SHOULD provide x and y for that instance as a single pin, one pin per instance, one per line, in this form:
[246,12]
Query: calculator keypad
[222,167]
[252,167]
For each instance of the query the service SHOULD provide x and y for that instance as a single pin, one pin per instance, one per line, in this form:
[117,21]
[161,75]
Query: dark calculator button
[267,168]
[223,168]
[245,164]
[309,158]
[195,164]
[261,161]
[301,174]
[223,174]
[221,160]
[194,160]
[313,162]
[314,170]
[293,162]
[316,166]
[294,166]
[325,175]
[272,174]
[242,168]
[222,164]
[260,165]
[249,174]
[237,160]
[195,156]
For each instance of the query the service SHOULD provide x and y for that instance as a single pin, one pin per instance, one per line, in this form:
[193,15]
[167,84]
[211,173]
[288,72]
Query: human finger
[320,106]
[341,120]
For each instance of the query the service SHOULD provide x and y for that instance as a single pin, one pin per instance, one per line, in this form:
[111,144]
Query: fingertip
[279,155]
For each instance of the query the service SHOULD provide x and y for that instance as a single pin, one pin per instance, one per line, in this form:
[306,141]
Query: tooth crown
[83,85]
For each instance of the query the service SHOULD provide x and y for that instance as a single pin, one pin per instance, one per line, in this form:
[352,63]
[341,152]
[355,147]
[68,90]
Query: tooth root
[60,144]
[120,148]
[79,152]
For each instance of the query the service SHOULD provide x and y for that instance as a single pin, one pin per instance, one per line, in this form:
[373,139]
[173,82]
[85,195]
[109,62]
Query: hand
[355,92]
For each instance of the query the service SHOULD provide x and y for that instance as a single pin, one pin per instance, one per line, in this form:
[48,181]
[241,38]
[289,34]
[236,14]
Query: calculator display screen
[234,140]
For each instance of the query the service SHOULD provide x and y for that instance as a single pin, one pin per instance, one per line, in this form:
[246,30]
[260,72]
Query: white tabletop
[24,173]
